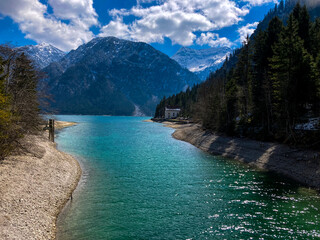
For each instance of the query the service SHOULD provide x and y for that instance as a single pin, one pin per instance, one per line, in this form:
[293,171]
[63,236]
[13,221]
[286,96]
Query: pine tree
[290,73]
[260,63]
[271,38]
[315,38]
[243,77]
[281,6]
[231,103]
[302,16]
[23,91]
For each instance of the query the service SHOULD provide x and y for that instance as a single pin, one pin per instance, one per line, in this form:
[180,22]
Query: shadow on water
[299,166]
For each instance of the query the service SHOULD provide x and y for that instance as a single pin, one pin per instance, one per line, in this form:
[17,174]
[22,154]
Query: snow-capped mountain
[202,61]
[116,77]
[43,54]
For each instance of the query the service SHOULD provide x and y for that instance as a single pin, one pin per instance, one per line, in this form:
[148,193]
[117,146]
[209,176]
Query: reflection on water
[140,183]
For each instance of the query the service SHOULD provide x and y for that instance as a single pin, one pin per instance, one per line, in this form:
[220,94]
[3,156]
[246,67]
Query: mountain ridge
[42,54]
[114,76]
[201,61]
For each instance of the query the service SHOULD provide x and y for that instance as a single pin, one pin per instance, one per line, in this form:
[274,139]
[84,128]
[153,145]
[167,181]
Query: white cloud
[259,2]
[80,12]
[175,19]
[247,30]
[116,26]
[213,40]
[180,20]
[139,2]
[37,24]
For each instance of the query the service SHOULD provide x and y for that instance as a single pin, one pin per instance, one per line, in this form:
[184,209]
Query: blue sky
[165,24]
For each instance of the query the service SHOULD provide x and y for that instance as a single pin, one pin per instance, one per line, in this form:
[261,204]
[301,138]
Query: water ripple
[140,183]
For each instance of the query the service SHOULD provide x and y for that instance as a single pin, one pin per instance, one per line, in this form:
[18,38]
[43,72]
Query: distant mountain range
[119,77]
[42,54]
[202,61]
[114,76]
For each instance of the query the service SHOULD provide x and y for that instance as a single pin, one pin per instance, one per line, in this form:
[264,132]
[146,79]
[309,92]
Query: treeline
[183,100]
[282,11]
[19,105]
[274,85]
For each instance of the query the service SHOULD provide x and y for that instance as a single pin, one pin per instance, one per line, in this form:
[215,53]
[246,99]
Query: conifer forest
[269,89]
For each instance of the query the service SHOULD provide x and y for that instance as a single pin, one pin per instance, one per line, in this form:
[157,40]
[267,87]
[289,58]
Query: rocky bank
[300,165]
[35,184]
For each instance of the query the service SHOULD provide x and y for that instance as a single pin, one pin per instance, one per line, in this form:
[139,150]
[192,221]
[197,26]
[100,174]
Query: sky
[165,24]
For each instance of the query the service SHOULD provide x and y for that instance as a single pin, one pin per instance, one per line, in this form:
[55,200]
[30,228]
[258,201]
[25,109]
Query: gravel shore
[300,165]
[35,184]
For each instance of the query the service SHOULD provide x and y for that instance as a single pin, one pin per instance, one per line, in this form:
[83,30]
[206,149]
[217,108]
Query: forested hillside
[19,107]
[111,76]
[270,88]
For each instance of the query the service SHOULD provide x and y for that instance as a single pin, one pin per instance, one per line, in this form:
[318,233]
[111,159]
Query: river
[140,183]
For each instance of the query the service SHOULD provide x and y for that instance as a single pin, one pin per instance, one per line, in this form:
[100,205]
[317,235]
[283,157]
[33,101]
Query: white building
[171,112]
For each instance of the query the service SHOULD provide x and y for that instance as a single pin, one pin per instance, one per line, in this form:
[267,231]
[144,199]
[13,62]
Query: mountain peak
[44,44]
[201,61]
[114,76]
[42,54]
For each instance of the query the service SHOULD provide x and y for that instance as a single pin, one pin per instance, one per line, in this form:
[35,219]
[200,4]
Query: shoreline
[62,124]
[302,166]
[35,185]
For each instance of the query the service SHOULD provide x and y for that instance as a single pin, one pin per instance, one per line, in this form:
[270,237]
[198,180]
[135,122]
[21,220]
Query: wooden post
[51,130]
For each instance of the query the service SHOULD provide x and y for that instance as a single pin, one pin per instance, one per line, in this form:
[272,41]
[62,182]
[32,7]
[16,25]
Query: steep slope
[114,76]
[202,61]
[283,9]
[43,54]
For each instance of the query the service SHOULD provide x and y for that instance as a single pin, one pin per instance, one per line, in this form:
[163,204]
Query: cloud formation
[66,23]
[213,40]
[247,30]
[260,2]
[174,19]
[67,28]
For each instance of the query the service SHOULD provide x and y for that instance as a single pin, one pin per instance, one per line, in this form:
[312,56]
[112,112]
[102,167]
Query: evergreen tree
[243,78]
[262,85]
[267,87]
[301,15]
[281,6]
[23,90]
[315,38]
[291,75]
[231,103]
[19,108]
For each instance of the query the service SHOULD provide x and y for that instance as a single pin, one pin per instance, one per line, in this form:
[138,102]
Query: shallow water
[140,183]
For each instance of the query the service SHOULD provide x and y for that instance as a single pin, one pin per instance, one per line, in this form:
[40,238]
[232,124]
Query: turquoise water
[140,183]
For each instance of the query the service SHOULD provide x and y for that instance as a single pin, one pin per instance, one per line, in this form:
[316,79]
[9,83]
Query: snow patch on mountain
[42,54]
[137,111]
[202,61]
[116,77]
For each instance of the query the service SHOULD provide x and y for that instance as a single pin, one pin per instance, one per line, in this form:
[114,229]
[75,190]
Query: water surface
[140,183]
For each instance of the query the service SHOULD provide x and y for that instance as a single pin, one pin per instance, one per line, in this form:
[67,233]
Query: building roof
[173,108]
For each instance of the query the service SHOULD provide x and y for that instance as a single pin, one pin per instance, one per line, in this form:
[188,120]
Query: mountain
[202,61]
[116,77]
[42,54]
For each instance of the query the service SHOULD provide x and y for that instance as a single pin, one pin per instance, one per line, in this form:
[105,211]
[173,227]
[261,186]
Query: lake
[140,183]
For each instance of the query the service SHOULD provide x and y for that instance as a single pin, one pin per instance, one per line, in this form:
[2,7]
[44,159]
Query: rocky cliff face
[202,61]
[114,76]
[42,54]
